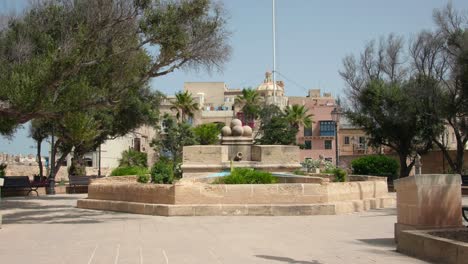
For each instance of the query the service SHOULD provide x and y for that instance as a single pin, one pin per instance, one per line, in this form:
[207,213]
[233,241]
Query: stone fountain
[237,148]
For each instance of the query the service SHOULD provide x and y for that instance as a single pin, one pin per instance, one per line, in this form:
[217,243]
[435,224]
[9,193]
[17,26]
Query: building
[319,140]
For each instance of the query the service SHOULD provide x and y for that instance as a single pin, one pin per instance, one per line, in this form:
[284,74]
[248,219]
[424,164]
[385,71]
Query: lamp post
[336,115]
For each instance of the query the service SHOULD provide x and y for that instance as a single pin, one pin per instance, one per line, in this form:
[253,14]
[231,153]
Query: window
[307,131]
[136,144]
[307,144]
[329,159]
[346,140]
[328,144]
[327,128]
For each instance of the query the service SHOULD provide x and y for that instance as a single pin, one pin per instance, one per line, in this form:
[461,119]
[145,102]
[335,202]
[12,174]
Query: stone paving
[51,230]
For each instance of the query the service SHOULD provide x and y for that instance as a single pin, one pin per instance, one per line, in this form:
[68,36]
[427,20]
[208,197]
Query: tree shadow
[382,212]
[39,211]
[288,260]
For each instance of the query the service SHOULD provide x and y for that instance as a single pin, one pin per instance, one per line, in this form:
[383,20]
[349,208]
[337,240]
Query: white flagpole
[274,53]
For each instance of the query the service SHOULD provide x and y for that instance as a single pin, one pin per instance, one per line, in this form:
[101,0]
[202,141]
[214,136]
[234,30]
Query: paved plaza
[49,229]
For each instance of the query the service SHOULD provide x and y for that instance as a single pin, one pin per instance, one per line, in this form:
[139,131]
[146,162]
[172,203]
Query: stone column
[429,201]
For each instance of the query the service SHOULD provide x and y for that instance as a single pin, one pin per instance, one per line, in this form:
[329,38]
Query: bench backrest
[465,179]
[79,180]
[16,181]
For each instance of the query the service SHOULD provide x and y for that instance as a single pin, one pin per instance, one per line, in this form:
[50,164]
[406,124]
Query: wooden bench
[465,212]
[78,181]
[23,183]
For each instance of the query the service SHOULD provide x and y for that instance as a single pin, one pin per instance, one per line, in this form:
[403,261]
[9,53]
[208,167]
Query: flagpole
[274,51]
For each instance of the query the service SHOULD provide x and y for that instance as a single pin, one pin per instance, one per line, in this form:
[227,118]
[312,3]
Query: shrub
[207,134]
[133,158]
[299,172]
[247,176]
[340,175]
[163,172]
[2,170]
[378,165]
[310,164]
[143,178]
[124,171]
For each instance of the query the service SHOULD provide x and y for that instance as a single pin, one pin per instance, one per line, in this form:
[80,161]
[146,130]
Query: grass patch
[125,171]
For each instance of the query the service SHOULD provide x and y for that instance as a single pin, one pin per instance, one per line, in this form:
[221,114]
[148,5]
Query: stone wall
[26,170]
[275,154]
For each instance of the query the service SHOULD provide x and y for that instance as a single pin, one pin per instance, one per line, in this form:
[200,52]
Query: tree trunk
[39,160]
[405,169]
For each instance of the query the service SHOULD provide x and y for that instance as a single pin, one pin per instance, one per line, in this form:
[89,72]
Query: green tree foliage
[390,115]
[207,134]
[185,106]
[133,158]
[377,165]
[66,56]
[297,116]
[275,129]
[436,70]
[250,102]
[174,137]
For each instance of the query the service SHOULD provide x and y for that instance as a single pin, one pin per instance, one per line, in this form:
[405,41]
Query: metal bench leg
[464,210]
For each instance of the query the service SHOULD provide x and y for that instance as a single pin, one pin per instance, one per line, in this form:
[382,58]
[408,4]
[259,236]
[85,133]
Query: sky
[312,37]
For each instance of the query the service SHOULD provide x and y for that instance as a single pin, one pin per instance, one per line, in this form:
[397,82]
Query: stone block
[180,210]
[439,250]
[410,244]
[207,210]
[234,210]
[205,154]
[429,200]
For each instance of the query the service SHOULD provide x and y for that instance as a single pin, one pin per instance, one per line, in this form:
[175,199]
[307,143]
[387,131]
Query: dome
[267,84]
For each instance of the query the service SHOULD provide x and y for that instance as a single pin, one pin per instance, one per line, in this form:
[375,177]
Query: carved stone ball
[226,131]
[237,131]
[247,131]
[236,122]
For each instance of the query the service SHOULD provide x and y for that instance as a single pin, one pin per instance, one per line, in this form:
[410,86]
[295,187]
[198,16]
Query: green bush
[133,158]
[378,165]
[163,172]
[247,176]
[299,172]
[124,171]
[340,175]
[207,134]
[143,178]
[2,170]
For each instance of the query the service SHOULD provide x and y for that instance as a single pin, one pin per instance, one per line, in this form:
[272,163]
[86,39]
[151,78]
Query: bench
[76,181]
[23,183]
[464,180]
[465,212]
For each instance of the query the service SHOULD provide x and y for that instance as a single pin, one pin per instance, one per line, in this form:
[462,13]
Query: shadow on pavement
[288,260]
[38,211]
[380,242]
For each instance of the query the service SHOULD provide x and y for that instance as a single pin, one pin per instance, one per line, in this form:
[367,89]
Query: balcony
[327,128]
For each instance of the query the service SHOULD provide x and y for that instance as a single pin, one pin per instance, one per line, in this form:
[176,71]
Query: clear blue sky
[312,38]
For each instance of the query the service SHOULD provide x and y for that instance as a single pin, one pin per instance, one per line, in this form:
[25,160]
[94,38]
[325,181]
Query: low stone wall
[27,170]
[127,189]
[424,245]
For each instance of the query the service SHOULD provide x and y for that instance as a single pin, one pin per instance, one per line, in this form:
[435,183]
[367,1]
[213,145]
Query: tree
[250,102]
[48,55]
[207,134]
[173,139]
[39,130]
[297,116]
[391,116]
[275,129]
[184,105]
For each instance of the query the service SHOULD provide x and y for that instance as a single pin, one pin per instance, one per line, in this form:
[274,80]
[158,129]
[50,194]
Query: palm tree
[250,101]
[297,116]
[184,105]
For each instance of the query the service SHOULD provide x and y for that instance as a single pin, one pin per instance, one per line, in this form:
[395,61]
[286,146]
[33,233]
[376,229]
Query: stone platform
[124,194]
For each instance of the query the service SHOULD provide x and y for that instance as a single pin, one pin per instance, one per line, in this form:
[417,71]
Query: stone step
[238,209]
